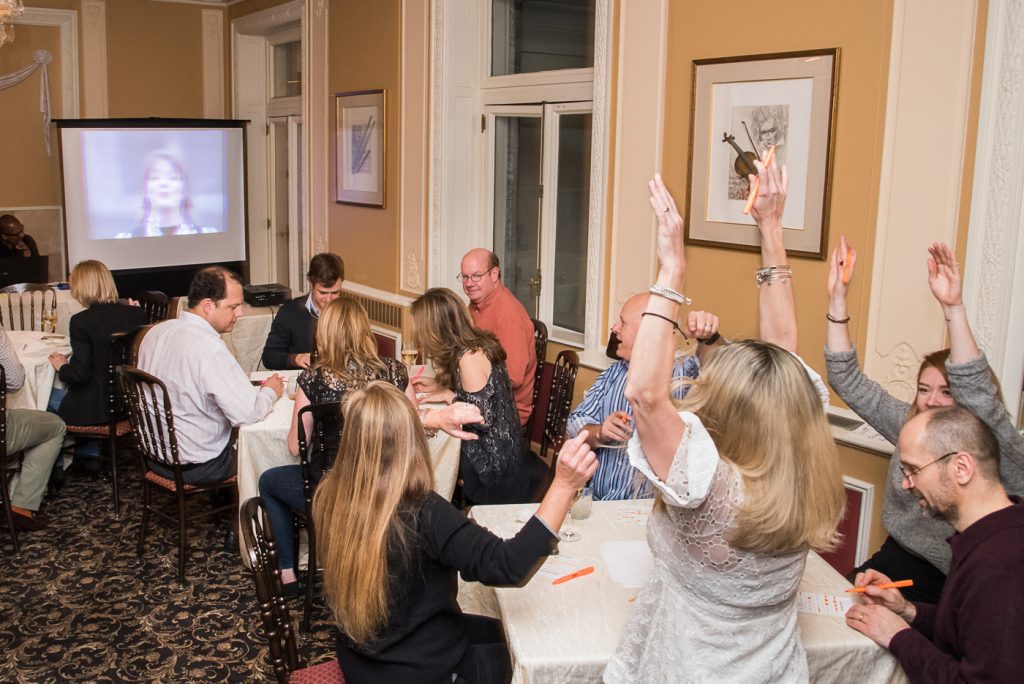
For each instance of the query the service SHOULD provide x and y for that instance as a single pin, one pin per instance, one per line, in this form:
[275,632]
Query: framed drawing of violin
[741,108]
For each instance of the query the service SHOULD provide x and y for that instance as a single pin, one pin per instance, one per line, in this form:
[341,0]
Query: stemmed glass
[409,353]
[569,533]
[50,320]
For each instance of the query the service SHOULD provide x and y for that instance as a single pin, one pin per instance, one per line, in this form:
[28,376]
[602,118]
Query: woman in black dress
[470,367]
[86,400]
[390,548]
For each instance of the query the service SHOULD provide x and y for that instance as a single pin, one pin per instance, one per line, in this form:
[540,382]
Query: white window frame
[460,41]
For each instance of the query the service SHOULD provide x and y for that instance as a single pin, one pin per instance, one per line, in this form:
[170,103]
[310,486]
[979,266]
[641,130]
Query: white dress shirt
[209,391]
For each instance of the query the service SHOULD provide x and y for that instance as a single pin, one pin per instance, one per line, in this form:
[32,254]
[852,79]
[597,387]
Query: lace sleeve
[693,467]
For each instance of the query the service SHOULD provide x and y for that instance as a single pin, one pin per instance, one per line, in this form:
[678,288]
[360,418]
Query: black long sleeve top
[291,333]
[425,638]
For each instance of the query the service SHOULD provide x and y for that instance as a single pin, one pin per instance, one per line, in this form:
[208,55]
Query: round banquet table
[33,350]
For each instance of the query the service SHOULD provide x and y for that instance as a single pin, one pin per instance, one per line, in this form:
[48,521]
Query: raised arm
[776,308]
[650,371]
[840,270]
[944,281]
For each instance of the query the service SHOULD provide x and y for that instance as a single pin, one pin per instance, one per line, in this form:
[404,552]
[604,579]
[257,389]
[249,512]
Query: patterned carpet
[79,605]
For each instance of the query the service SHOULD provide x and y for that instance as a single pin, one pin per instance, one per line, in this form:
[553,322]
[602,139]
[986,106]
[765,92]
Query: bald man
[496,309]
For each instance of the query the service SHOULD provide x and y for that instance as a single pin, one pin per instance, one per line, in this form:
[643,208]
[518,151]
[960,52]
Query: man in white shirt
[209,391]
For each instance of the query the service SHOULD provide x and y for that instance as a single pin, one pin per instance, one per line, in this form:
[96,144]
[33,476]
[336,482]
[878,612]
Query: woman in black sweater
[390,548]
[86,400]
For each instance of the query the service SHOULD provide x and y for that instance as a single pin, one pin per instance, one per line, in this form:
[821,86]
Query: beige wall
[365,54]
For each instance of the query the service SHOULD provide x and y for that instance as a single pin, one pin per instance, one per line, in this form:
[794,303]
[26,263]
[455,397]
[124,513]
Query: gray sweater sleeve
[972,388]
[882,411]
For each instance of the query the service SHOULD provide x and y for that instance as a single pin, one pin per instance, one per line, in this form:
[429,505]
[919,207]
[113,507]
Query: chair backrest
[155,304]
[3,419]
[318,448]
[122,353]
[29,308]
[277,621]
[149,409]
[563,382]
[540,345]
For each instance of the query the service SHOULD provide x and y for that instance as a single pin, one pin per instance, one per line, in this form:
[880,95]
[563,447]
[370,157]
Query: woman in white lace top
[747,478]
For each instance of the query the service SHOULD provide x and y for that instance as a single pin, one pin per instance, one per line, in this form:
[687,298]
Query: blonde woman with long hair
[391,547]
[347,360]
[84,400]
[747,479]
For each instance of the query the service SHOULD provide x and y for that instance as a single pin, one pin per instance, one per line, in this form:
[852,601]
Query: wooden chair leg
[10,516]
[181,538]
[145,517]
[113,473]
[311,567]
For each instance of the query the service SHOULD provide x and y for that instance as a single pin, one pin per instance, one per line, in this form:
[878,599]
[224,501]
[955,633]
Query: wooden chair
[8,466]
[28,306]
[540,344]
[563,382]
[122,351]
[152,419]
[277,621]
[316,455]
[155,304]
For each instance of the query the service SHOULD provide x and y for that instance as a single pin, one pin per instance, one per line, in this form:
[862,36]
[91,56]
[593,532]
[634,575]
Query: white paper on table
[823,604]
[561,565]
[636,515]
[260,376]
[630,563]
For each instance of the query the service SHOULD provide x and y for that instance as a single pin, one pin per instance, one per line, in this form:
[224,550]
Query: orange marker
[757,181]
[887,585]
[574,575]
[850,255]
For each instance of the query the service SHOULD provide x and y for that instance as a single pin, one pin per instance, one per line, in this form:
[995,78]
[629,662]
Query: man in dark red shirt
[496,309]
[950,460]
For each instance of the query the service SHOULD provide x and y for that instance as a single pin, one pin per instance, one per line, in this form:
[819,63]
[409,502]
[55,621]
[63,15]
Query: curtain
[40,59]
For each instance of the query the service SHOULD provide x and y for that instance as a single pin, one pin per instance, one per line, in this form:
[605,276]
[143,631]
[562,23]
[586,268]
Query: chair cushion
[123,427]
[170,485]
[324,673]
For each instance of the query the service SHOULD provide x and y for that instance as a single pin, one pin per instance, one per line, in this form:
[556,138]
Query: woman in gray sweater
[916,547]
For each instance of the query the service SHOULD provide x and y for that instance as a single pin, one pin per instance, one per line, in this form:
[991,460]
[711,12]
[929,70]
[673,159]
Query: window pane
[541,35]
[287,69]
[516,203]
[572,222]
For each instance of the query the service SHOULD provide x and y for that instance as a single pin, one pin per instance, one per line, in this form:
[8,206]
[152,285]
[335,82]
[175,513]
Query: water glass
[584,503]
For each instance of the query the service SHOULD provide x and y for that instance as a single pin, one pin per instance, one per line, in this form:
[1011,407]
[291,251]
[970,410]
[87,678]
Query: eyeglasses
[911,473]
[475,277]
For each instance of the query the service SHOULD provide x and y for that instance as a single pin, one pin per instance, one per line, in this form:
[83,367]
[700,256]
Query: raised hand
[770,201]
[701,324]
[840,270]
[944,275]
[671,248]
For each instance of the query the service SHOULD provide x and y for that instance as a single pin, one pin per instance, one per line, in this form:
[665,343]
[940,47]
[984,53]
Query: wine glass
[50,320]
[409,353]
[569,533]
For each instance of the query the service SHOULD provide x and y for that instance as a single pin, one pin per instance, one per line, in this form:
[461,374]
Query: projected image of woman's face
[164,185]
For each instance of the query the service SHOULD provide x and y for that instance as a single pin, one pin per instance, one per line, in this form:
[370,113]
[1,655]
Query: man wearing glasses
[950,461]
[494,308]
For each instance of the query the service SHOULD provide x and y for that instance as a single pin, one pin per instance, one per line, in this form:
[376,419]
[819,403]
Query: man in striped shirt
[606,415]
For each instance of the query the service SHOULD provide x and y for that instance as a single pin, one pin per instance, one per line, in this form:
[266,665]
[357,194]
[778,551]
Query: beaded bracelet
[670,294]
[773,274]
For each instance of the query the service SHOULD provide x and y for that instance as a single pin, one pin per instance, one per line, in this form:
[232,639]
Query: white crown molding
[994,266]
[904,322]
[269,20]
[66,21]
[213,64]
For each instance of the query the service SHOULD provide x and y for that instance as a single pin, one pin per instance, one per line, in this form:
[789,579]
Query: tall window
[538,155]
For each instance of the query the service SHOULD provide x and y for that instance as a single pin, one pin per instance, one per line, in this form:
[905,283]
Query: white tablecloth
[264,445]
[34,351]
[568,632]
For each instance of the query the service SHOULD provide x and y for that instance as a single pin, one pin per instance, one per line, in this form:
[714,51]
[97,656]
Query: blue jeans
[85,448]
[281,491]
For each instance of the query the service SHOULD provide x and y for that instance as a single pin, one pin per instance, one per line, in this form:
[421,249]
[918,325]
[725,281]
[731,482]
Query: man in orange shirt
[496,309]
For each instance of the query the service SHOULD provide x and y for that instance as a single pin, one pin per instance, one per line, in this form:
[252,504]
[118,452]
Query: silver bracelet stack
[670,294]
[773,274]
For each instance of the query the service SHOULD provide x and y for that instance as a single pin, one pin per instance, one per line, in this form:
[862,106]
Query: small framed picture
[360,134]
[742,106]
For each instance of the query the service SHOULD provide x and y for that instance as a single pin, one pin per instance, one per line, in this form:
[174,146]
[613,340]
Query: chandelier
[8,10]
